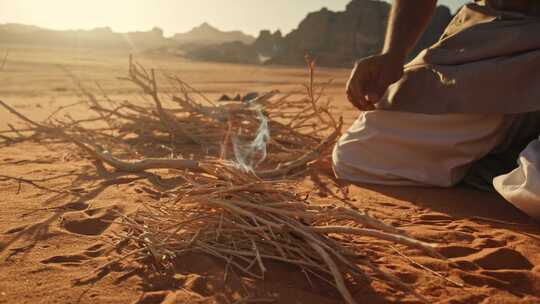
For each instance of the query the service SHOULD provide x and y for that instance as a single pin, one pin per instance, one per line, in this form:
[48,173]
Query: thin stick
[340,283]
[435,273]
[400,239]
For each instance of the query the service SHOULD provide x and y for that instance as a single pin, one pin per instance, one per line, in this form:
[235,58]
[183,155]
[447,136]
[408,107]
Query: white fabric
[398,148]
[521,187]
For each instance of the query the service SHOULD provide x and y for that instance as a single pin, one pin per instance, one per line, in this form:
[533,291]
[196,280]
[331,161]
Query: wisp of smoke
[249,155]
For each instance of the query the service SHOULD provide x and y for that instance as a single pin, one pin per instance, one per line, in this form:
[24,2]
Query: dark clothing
[487,61]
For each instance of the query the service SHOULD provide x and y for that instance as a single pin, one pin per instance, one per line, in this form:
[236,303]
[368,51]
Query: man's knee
[365,156]
[348,161]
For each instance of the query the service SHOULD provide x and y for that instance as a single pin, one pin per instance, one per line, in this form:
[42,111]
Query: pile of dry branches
[290,130]
[233,216]
[235,203]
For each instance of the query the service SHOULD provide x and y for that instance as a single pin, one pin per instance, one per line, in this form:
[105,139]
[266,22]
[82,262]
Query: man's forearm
[408,20]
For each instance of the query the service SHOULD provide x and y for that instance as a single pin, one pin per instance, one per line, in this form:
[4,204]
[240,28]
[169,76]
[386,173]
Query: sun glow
[121,15]
[172,16]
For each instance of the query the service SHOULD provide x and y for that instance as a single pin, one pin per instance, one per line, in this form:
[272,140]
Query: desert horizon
[201,41]
[131,16]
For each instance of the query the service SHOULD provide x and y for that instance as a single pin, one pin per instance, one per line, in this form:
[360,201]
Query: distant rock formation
[102,37]
[231,52]
[333,38]
[269,44]
[205,34]
[339,38]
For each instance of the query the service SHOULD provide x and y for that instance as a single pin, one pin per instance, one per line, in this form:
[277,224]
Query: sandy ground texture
[55,233]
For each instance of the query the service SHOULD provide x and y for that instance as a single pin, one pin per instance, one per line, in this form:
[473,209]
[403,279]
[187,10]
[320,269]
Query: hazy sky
[173,16]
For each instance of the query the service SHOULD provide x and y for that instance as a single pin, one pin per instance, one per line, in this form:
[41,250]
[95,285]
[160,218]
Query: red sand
[48,240]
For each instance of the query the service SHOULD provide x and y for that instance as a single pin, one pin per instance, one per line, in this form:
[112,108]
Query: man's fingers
[376,90]
[353,101]
[357,96]
[361,99]
[373,98]
[360,87]
[369,106]
[357,99]
[370,79]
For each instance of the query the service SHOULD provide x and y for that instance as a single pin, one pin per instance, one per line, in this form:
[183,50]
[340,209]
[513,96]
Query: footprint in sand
[16,229]
[435,217]
[95,251]
[76,259]
[517,281]
[456,251]
[66,260]
[179,296]
[91,221]
[500,258]
[484,243]
[488,258]
[79,206]
[480,280]
[495,267]
[155,297]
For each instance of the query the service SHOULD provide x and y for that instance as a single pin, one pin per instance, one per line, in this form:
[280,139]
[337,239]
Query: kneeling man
[467,108]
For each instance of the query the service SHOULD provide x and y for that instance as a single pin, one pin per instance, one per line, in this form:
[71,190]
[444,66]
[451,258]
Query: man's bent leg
[521,187]
[397,148]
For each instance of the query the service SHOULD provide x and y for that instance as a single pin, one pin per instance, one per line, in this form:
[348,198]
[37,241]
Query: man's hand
[371,77]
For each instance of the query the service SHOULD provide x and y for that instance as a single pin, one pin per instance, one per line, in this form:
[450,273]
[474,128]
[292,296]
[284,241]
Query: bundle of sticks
[235,203]
[246,222]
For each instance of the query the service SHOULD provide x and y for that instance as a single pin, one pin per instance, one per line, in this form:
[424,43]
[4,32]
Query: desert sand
[49,240]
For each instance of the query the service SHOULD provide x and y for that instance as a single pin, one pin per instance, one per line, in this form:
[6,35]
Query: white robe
[411,149]
[521,187]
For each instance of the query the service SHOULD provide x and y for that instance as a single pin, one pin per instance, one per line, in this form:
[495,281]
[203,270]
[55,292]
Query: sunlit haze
[172,16]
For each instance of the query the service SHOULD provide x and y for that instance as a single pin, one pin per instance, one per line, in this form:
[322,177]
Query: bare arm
[408,20]
[371,76]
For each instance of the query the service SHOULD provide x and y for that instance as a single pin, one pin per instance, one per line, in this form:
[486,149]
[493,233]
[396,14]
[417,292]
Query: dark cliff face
[229,52]
[269,44]
[333,38]
[340,38]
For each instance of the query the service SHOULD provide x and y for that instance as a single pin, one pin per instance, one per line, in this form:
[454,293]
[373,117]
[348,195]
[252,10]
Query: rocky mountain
[339,38]
[205,34]
[269,44]
[333,38]
[104,37]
